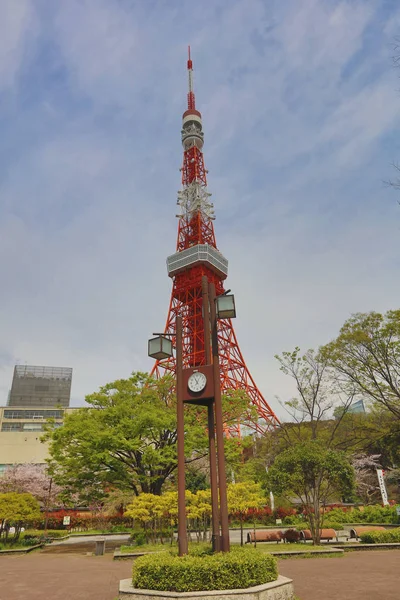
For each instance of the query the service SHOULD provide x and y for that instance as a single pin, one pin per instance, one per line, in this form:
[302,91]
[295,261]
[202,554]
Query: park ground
[372,575]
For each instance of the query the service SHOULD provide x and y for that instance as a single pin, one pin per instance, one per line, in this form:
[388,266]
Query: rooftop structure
[40,386]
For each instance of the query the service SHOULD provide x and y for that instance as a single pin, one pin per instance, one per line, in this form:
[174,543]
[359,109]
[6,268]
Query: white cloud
[18,28]
[300,112]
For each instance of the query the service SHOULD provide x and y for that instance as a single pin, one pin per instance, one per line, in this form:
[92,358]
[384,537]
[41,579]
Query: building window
[33,414]
[32,427]
[11,427]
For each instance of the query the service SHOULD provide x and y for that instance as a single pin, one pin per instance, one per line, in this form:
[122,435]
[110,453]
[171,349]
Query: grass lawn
[263,547]
[11,546]
[49,532]
[148,548]
[97,531]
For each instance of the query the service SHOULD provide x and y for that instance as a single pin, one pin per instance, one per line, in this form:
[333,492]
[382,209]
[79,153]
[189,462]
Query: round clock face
[197,382]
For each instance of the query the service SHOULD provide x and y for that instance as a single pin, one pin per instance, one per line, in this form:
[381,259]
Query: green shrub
[332,525]
[369,514]
[40,532]
[291,536]
[33,539]
[137,538]
[238,569]
[381,537]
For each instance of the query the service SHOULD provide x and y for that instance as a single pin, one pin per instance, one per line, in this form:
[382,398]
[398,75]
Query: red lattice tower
[197,255]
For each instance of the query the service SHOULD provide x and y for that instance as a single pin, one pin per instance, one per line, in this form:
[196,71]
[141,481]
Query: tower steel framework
[197,255]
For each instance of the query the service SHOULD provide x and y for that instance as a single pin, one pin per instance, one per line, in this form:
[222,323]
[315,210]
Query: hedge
[381,537]
[238,569]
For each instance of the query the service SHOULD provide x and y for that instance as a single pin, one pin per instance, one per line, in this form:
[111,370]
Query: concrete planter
[281,589]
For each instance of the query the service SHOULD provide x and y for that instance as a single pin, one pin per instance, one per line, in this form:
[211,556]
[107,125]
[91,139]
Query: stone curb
[22,550]
[332,550]
[281,589]
[388,546]
[123,555]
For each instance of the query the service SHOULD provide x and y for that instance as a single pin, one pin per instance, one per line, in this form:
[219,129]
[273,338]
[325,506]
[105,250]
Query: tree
[367,486]
[195,480]
[241,498]
[148,509]
[32,479]
[125,439]
[17,510]
[366,358]
[314,474]
[317,396]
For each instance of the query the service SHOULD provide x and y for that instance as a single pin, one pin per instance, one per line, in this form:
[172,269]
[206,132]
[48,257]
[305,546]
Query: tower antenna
[190,96]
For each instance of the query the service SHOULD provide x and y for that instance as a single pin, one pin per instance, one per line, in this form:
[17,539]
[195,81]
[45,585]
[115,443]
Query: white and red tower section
[197,255]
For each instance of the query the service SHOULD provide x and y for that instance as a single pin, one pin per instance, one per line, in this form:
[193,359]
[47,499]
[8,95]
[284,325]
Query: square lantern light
[160,347]
[226,307]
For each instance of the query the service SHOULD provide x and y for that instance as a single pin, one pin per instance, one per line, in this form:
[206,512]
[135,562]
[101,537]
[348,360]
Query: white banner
[382,486]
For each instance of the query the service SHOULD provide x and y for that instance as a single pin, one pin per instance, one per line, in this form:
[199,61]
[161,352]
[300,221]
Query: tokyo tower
[197,255]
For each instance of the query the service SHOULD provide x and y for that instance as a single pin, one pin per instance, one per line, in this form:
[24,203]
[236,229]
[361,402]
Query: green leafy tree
[195,480]
[241,498]
[314,474]
[366,358]
[125,439]
[318,395]
[17,510]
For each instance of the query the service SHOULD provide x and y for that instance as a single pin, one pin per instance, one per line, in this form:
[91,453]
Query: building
[35,387]
[357,407]
[20,433]
[37,394]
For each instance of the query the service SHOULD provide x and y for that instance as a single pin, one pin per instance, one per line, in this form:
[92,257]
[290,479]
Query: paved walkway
[368,575]
[38,576]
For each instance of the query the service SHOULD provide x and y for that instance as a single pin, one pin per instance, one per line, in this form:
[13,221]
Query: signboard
[66,520]
[382,487]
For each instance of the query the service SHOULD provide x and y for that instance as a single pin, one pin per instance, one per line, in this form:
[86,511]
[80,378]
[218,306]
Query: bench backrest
[324,534]
[265,536]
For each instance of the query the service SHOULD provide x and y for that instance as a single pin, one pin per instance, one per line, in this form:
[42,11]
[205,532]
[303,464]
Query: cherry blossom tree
[32,479]
[365,467]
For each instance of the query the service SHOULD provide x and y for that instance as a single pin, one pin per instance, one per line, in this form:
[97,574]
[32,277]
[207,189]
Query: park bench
[265,536]
[356,532]
[325,534]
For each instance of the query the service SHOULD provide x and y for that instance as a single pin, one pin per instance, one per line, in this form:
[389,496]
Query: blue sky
[301,113]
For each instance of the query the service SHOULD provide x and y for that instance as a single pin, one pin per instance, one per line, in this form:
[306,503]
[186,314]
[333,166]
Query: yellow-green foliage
[238,569]
[242,496]
[146,507]
[381,537]
[18,510]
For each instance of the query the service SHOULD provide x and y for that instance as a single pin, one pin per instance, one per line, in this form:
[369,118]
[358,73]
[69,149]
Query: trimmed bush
[241,568]
[381,537]
[291,536]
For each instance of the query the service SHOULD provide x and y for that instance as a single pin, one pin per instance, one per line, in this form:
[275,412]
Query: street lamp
[160,347]
[226,306]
